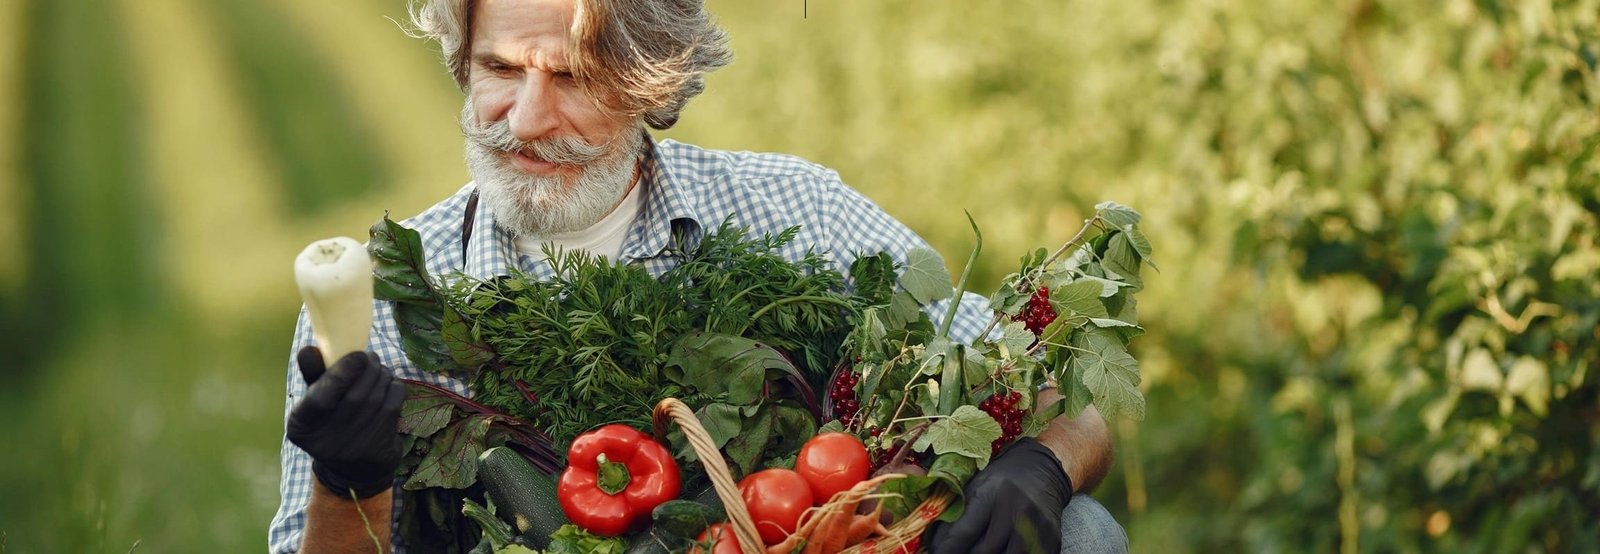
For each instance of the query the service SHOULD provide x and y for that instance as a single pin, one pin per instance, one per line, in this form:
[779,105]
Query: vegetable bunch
[1062,320]
[743,336]
[601,342]
[736,330]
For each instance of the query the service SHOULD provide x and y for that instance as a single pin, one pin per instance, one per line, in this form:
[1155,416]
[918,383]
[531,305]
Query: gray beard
[536,205]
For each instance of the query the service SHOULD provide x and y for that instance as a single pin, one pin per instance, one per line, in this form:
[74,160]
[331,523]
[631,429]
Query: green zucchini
[708,498]
[494,529]
[522,494]
[648,543]
[682,518]
[676,523]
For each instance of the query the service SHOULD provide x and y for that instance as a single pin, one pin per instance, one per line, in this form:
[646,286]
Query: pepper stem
[612,476]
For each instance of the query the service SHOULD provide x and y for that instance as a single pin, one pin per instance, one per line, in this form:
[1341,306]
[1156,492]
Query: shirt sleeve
[859,227]
[294,487]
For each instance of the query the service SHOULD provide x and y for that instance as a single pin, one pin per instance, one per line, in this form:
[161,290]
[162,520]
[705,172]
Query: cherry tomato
[722,534]
[832,462]
[776,499]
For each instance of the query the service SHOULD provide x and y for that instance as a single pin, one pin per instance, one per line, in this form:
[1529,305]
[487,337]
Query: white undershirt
[604,238]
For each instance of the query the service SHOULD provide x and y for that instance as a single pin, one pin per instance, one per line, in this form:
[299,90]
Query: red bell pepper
[615,475]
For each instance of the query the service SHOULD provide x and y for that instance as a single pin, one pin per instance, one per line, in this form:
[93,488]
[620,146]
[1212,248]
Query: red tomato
[776,499]
[832,462]
[722,534]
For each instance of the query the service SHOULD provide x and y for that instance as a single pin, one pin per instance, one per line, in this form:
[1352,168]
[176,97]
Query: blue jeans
[1088,528]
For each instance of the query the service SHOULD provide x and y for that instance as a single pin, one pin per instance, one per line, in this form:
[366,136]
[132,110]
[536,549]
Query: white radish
[335,279]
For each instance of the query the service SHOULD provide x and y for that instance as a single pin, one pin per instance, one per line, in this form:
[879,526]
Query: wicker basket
[903,533]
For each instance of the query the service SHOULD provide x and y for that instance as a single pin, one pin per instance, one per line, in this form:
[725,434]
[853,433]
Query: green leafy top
[594,343]
[917,387]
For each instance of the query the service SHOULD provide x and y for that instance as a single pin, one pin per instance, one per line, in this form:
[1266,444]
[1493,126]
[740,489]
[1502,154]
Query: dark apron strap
[466,225]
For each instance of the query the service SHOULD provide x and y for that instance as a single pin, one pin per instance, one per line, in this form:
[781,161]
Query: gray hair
[641,57]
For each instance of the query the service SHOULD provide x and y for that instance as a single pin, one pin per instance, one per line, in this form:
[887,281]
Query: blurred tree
[93,253]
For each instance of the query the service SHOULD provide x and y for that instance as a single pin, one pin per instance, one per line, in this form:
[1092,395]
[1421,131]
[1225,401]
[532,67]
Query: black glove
[1012,506]
[348,422]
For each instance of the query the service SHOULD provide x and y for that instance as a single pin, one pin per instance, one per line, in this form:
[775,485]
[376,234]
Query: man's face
[546,156]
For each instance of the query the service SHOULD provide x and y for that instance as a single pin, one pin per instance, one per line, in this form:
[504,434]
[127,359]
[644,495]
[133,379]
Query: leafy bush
[1408,194]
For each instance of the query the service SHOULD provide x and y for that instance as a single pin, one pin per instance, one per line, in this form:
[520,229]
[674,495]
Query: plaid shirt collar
[667,214]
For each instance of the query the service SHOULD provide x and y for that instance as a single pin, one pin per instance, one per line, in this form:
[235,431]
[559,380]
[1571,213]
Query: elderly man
[558,95]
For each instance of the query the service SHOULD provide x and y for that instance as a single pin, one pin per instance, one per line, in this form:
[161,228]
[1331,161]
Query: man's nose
[533,115]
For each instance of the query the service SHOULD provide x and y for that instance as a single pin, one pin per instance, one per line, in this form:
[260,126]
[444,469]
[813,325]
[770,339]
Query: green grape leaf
[1016,338]
[1007,300]
[933,356]
[1140,244]
[926,277]
[1103,364]
[902,311]
[967,431]
[1118,215]
[1108,323]
[1108,288]
[1080,297]
[1076,396]
[1121,260]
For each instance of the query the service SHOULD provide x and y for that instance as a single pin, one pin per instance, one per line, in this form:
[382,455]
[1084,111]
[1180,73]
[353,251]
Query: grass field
[163,161]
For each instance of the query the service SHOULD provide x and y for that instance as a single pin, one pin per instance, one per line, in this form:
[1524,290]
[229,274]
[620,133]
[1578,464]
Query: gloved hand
[348,422]
[1012,506]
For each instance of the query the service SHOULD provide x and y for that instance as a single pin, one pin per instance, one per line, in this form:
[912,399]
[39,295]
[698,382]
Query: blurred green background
[1374,328]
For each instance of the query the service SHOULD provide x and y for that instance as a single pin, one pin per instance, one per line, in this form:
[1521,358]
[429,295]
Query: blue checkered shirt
[687,189]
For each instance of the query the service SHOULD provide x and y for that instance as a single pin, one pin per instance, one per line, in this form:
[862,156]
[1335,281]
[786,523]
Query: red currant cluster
[881,457]
[843,393]
[1038,314]
[1003,408]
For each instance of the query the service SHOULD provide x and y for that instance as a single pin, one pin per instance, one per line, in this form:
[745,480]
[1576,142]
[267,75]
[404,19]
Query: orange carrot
[787,546]
[829,536]
[865,525]
[808,522]
[827,529]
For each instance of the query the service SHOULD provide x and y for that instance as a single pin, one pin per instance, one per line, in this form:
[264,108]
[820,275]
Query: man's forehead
[511,27]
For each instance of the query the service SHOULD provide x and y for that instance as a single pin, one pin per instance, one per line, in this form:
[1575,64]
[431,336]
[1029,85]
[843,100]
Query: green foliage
[307,123]
[1412,191]
[1308,169]
[571,539]
[603,342]
[967,432]
[89,183]
[433,333]
[754,412]
[915,390]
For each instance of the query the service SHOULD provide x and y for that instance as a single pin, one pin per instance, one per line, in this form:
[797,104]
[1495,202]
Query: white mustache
[561,150]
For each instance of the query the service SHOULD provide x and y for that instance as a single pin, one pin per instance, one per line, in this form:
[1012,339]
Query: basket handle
[672,410]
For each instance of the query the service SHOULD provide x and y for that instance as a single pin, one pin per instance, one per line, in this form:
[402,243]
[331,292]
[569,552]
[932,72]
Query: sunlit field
[1373,328]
